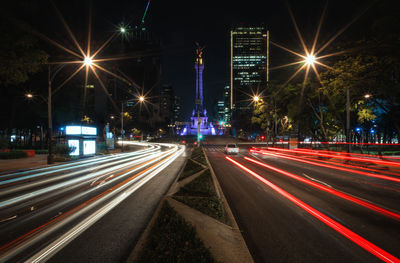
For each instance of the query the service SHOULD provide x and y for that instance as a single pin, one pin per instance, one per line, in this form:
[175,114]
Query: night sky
[179,24]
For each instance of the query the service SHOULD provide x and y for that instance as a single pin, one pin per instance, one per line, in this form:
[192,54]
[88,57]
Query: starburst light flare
[311,58]
[86,60]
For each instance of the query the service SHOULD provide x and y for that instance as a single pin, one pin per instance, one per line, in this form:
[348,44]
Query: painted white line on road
[318,181]
[8,219]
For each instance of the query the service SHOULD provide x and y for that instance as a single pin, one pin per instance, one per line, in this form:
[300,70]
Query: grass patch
[200,194]
[210,206]
[198,155]
[173,240]
[190,169]
[201,186]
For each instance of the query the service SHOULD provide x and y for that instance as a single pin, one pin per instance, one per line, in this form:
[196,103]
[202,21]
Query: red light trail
[338,162]
[330,190]
[384,177]
[350,154]
[339,156]
[354,166]
[362,242]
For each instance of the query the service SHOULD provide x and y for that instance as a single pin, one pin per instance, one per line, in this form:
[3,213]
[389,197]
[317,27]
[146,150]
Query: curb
[228,210]
[222,196]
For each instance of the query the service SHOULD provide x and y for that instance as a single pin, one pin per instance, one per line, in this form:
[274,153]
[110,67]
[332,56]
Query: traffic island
[172,239]
[207,226]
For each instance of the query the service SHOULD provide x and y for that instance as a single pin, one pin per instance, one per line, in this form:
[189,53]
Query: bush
[3,142]
[42,151]
[101,148]
[172,239]
[63,149]
[12,155]
[190,169]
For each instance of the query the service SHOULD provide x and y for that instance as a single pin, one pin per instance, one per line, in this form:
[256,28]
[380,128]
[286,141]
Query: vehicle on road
[231,148]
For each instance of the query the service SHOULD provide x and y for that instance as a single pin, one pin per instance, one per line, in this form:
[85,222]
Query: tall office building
[167,101]
[249,64]
[177,109]
[227,102]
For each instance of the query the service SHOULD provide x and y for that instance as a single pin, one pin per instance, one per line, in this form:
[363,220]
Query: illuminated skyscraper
[249,64]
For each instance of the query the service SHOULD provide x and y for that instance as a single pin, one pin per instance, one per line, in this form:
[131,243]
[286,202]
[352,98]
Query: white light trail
[113,196]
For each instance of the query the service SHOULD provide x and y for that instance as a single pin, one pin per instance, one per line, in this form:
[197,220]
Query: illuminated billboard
[89,147]
[74,143]
[80,130]
[89,130]
[73,130]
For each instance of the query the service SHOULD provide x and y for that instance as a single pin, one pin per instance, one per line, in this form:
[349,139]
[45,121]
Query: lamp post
[50,78]
[348,119]
[141,99]
[122,126]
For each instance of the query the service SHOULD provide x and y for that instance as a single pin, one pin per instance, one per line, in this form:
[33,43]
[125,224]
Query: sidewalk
[23,163]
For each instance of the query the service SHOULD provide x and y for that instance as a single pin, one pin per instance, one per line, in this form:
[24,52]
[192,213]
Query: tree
[21,57]
[19,52]
[261,115]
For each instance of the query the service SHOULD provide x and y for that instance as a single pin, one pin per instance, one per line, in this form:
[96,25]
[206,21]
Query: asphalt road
[88,211]
[278,230]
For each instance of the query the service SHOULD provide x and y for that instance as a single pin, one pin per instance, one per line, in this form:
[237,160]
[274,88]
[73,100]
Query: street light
[29,95]
[310,60]
[141,98]
[88,61]
[122,29]
[50,78]
[367,96]
[256,98]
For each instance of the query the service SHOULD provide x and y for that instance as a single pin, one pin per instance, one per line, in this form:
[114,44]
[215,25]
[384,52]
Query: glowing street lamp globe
[256,98]
[122,29]
[88,61]
[310,59]
[141,98]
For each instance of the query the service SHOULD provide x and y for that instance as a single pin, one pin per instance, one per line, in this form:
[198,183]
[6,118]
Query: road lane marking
[362,242]
[318,181]
[8,219]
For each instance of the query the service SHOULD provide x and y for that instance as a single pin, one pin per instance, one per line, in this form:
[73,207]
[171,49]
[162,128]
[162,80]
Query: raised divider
[225,242]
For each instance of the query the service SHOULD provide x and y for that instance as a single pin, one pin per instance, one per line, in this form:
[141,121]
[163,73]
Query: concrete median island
[198,223]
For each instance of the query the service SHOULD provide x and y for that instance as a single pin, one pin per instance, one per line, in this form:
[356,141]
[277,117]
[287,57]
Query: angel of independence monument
[199,124]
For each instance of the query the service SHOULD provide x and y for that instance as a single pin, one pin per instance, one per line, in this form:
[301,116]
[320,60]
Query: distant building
[249,66]
[221,110]
[167,104]
[227,107]
[177,117]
